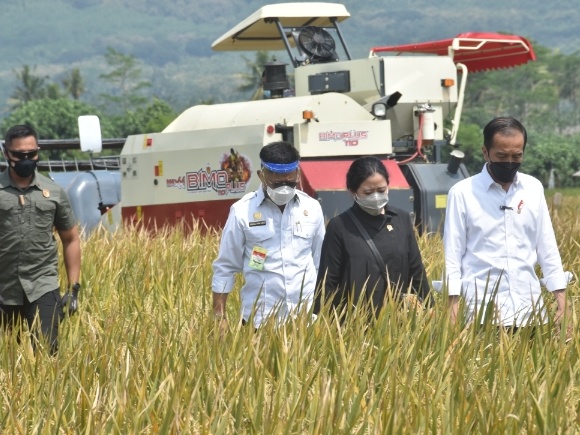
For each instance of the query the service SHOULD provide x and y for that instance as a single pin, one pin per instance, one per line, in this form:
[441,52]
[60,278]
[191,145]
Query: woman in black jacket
[349,269]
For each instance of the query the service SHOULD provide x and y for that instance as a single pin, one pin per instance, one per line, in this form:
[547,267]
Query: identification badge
[257,223]
[46,193]
[258,258]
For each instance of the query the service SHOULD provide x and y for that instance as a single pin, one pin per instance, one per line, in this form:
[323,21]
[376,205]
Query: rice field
[143,356]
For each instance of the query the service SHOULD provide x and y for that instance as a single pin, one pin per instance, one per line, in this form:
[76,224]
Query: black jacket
[348,267]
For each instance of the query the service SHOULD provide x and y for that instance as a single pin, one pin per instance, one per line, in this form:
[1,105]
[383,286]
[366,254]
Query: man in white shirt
[497,228]
[273,236]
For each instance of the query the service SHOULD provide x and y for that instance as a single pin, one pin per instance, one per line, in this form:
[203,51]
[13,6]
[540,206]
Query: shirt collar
[377,221]
[6,181]
[487,181]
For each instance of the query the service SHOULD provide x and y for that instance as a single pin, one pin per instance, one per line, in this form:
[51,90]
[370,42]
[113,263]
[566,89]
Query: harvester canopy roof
[259,31]
[478,51]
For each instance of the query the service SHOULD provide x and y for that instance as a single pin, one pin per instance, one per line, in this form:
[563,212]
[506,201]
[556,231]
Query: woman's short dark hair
[505,125]
[18,131]
[361,169]
[279,152]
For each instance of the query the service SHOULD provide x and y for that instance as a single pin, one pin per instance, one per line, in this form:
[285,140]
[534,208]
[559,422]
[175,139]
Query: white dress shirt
[292,239]
[493,240]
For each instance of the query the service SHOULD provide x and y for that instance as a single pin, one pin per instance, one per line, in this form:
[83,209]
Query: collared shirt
[291,241]
[28,252]
[349,269]
[493,240]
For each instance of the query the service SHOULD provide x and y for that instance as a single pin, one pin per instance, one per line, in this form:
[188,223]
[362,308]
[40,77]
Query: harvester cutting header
[404,109]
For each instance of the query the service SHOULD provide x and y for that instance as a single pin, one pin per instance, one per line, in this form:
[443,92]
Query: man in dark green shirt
[31,207]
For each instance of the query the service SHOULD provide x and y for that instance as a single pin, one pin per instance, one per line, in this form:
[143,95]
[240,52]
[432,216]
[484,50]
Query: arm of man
[71,245]
[454,246]
[318,239]
[555,279]
[228,263]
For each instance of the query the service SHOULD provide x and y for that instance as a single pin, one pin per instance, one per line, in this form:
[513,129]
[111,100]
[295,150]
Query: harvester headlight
[379,110]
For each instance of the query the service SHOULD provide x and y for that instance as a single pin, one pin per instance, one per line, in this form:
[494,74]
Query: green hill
[173,39]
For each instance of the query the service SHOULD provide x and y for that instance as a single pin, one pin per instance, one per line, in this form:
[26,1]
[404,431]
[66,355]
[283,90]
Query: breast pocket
[7,213]
[44,212]
[302,235]
[259,235]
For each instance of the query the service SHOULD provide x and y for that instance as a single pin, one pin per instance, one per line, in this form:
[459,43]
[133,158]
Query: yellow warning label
[440,201]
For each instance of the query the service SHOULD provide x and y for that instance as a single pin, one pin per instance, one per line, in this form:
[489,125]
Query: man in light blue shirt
[497,229]
[273,236]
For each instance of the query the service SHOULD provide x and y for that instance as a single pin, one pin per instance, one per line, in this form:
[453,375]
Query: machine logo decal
[178,183]
[350,138]
[232,177]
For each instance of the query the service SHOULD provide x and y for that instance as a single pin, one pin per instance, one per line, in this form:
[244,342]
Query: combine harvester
[404,109]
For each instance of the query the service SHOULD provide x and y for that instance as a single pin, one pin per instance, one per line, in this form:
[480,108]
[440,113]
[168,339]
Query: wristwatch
[76,287]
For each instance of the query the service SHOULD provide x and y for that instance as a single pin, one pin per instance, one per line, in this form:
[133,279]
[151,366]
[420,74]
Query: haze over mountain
[172,40]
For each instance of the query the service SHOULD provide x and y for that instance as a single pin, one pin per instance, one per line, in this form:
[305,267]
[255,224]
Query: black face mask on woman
[504,172]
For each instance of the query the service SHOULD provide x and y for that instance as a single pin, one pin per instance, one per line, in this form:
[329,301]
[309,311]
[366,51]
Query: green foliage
[470,141]
[152,118]
[252,79]
[553,152]
[74,83]
[125,78]
[55,119]
[526,92]
[30,87]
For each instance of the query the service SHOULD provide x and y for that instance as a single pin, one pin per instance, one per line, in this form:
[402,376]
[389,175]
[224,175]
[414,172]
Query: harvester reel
[316,42]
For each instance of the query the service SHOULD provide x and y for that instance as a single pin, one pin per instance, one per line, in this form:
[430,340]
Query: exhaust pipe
[453,165]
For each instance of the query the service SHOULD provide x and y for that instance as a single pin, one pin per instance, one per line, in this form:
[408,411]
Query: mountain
[172,40]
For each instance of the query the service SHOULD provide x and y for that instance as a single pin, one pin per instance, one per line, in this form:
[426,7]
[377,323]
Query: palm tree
[126,77]
[32,87]
[74,83]
[252,80]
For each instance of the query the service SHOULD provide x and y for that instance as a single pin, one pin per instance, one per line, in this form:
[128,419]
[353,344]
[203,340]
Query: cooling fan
[317,43]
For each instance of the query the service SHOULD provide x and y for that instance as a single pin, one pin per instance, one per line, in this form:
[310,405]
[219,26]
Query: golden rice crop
[143,356]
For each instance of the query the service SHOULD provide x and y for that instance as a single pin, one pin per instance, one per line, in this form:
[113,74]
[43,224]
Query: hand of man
[560,316]
[563,313]
[453,307]
[70,302]
[219,312]
[222,325]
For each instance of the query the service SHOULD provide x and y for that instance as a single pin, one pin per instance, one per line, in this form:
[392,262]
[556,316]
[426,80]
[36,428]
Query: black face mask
[24,168]
[504,172]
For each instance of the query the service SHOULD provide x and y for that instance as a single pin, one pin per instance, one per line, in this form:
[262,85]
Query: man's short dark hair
[279,152]
[504,125]
[18,131]
[361,169]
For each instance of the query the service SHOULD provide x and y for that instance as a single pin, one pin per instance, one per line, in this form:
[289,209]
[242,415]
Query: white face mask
[281,195]
[373,203]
